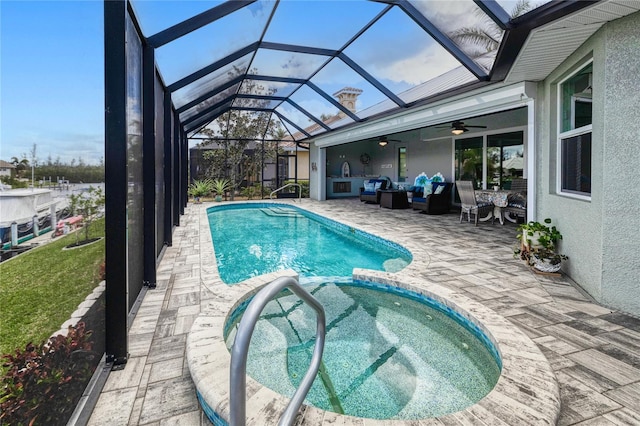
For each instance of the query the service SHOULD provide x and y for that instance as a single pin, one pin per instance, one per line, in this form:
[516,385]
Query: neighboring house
[569,103]
[6,169]
[295,162]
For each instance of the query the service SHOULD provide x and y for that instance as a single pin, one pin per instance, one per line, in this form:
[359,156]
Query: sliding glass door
[505,159]
[495,159]
[468,160]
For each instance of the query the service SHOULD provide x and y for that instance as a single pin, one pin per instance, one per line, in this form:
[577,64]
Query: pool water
[386,356]
[254,239]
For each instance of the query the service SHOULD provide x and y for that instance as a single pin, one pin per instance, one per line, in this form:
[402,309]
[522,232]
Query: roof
[287,58]
[6,165]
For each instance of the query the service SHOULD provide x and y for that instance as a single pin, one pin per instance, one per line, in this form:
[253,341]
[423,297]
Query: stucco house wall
[600,235]
[430,157]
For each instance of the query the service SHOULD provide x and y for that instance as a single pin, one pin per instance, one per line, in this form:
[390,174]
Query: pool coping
[527,391]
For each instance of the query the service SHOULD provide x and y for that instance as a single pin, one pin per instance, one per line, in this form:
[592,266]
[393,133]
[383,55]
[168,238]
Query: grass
[40,289]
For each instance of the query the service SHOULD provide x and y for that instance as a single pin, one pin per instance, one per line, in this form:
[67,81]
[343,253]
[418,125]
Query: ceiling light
[383,143]
[457,131]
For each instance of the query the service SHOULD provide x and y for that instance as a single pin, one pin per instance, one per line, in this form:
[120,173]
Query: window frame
[561,136]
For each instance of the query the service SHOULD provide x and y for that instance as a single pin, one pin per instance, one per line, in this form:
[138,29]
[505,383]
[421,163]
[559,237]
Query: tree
[487,36]
[237,137]
[20,165]
[89,204]
[34,163]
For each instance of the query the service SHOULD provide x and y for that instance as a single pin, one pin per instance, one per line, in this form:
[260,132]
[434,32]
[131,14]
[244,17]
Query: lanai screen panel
[213,42]
[135,190]
[211,83]
[159,163]
[209,103]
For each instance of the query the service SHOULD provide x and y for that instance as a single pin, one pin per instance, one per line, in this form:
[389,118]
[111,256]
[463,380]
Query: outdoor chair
[438,202]
[519,185]
[470,206]
[517,200]
[370,193]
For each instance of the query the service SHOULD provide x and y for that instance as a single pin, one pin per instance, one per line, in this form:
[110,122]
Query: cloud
[431,62]
[66,146]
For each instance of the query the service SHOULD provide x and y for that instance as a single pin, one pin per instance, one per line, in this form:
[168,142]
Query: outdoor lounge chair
[370,193]
[470,206]
[438,202]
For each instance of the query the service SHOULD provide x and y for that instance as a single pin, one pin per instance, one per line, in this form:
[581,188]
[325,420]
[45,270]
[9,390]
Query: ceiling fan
[458,127]
[383,141]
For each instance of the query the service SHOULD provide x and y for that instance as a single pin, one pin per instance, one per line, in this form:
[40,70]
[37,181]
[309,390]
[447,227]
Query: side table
[394,199]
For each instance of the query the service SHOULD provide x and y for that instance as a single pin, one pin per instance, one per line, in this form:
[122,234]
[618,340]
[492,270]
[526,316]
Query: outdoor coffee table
[394,199]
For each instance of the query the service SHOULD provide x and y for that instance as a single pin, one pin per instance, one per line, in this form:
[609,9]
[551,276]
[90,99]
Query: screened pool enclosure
[174,68]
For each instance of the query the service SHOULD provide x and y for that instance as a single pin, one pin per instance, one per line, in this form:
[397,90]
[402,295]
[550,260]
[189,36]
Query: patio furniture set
[381,192]
[482,205]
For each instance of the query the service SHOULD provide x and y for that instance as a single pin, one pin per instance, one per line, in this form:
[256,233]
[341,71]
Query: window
[574,148]
[402,164]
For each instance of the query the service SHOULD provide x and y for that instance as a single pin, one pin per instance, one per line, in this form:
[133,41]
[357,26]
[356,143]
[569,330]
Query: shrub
[200,188]
[250,191]
[304,187]
[42,384]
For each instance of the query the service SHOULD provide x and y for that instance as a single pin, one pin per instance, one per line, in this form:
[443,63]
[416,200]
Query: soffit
[548,46]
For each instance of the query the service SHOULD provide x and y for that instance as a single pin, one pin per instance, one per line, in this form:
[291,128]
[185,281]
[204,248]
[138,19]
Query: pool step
[280,212]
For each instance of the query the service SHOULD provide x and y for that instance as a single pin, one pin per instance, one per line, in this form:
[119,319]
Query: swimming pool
[389,353]
[252,239]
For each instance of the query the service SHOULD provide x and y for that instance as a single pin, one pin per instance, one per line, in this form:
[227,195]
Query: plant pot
[535,244]
[544,265]
[218,198]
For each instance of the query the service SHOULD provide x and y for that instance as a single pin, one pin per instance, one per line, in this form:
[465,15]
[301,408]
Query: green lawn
[42,287]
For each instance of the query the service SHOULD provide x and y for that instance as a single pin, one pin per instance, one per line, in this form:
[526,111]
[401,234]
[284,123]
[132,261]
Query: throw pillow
[439,189]
[369,187]
[378,184]
[428,189]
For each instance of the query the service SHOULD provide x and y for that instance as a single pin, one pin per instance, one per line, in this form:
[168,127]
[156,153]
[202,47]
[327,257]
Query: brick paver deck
[594,351]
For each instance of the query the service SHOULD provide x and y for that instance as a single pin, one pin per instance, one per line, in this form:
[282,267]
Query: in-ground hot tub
[389,354]
[526,391]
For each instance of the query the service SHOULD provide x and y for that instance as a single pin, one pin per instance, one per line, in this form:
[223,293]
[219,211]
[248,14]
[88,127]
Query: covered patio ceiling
[290,58]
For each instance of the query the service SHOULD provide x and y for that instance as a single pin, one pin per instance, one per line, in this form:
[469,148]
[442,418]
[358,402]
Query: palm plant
[487,36]
[200,188]
[220,187]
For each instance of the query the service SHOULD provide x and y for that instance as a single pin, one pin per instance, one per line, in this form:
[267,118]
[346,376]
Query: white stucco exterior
[600,234]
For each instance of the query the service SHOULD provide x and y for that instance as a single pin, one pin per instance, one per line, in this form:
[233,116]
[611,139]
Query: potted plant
[220,187]
[538,246]
[200,188]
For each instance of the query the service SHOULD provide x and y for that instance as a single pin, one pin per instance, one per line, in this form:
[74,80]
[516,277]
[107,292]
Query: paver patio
[594,351]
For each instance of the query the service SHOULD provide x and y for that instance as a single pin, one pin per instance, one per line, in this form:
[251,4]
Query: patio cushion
[517,199]
[417,190]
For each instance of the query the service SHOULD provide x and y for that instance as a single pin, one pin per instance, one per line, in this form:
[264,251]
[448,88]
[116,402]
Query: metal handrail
[286,186]
[238,379]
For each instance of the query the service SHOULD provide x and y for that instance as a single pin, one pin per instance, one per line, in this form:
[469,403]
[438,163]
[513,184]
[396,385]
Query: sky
[52,61]
[52,80]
